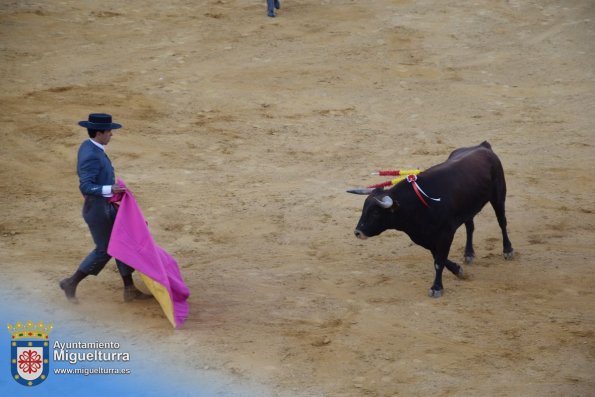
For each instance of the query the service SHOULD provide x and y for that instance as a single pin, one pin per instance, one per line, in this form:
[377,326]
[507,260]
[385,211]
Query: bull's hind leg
[498,205]
[469,251]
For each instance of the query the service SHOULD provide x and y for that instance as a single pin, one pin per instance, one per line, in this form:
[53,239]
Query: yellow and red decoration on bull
[410,176]
[402,174]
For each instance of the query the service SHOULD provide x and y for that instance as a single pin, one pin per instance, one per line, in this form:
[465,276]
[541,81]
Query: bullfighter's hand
[118,189]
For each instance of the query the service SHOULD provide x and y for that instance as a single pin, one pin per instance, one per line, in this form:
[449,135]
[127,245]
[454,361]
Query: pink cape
[132,243]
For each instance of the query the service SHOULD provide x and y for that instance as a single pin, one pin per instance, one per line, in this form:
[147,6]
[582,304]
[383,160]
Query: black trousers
[100,215]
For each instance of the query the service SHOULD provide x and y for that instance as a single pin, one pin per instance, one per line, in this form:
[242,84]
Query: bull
[431,206]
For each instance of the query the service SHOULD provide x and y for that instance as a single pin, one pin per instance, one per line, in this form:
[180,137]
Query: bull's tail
[486,144]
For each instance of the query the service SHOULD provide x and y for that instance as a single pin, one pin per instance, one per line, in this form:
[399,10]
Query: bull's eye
[374,216]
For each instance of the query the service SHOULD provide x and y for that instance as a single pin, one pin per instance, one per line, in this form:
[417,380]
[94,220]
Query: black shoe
[277,4]
[69,289]
[131,293]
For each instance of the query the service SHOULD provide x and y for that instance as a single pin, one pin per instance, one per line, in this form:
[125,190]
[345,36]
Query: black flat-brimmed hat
[100,121]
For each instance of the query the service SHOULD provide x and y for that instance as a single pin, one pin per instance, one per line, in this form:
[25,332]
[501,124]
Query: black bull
[464,183]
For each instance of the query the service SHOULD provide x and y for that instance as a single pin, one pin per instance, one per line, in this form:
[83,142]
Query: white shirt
[106,190]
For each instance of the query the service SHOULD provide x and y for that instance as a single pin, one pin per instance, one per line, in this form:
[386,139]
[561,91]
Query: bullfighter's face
[103,137]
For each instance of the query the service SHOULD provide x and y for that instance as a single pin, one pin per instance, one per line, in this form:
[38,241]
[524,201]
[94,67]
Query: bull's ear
[366,190]
[386,201]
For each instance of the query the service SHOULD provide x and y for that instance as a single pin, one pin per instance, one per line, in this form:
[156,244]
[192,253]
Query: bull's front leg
[455,269]
[436,290]
[440,254]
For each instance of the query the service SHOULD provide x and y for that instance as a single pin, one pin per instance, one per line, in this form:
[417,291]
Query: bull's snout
[359,234]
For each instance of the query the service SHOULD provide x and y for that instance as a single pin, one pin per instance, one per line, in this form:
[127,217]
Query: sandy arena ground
[241,135]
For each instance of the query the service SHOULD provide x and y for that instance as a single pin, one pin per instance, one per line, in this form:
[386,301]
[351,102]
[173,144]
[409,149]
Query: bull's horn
[366,190]
[386,202]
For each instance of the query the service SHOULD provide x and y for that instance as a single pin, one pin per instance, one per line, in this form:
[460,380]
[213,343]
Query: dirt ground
[242,133]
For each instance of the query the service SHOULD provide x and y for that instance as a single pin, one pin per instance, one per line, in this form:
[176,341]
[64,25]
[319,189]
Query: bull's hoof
[461,273]
[469,259]
[433,293]
[509,255]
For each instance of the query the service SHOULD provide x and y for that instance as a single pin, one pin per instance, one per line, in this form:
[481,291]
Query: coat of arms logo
[29,353]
